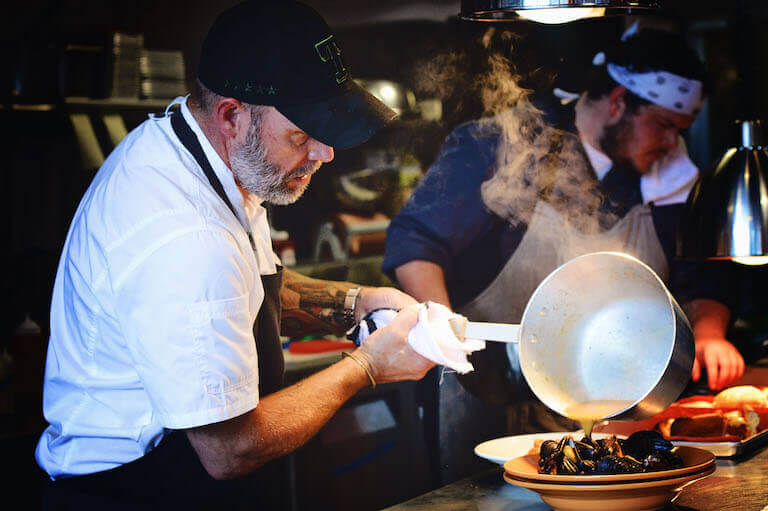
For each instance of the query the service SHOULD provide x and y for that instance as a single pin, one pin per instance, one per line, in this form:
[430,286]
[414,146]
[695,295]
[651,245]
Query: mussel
[560,458]
[612,464]
[642,443]
[643,451]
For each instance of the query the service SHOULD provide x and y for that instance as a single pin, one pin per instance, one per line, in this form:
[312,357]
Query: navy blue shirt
[445,221]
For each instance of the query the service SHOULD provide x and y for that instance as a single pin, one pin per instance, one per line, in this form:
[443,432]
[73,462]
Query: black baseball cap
[282,53]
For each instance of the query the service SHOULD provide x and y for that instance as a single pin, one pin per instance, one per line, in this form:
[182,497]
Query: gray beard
[254,172]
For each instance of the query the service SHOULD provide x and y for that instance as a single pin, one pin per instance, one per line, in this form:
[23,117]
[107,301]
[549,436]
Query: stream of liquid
[590,412]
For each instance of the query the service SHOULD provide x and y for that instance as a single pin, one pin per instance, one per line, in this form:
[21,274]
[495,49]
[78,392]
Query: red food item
[700,419]
[319,346]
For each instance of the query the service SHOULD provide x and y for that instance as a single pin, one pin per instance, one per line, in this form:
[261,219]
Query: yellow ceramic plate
[610,496]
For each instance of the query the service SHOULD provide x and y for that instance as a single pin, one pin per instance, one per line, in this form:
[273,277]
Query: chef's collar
[601,163]
[222,170]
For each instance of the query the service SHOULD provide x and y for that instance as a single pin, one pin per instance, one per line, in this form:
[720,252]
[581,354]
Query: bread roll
[740,396]
[705,425]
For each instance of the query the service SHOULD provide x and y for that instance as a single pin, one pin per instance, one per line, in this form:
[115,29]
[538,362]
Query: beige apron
[549,242]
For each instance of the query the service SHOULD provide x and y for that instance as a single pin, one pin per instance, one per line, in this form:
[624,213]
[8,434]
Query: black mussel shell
[586,450]
[570,463]
[548,449]
[610,446]
[643,443]
[548,466]
[607,464]
[662,461]
[618,465]
[589,466]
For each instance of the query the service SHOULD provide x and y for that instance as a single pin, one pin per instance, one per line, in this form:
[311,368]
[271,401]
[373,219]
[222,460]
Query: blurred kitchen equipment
[602,327]
[347,235]
[363,191]
[551,11]
[162,74]
[726,214]
[392,94]
[125,74]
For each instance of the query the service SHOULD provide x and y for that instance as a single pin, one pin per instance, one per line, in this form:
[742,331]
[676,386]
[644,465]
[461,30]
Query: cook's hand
[723,362]
[388,353]
[372,298]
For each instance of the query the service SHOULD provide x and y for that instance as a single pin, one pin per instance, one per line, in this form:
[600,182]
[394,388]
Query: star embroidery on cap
[260,91]
[271,91]
[248,87]
[236,86]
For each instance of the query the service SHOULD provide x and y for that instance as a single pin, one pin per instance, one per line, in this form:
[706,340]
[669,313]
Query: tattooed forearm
[312,306]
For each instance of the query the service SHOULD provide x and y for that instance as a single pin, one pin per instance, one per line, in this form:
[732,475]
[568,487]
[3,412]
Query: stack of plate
[126,51]
[162,74]
[620,492]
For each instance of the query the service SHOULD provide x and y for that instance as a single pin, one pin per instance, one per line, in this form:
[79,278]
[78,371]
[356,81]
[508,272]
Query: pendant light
[726,216]
[551,11]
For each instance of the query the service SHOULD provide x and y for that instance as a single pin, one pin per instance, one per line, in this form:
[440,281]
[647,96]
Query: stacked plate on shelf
[618,492]
[162,74]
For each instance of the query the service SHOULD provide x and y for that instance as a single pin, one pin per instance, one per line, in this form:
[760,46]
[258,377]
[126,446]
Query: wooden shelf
[79,102]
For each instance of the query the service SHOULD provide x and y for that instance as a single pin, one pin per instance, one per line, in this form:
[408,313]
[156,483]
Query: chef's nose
[320,152]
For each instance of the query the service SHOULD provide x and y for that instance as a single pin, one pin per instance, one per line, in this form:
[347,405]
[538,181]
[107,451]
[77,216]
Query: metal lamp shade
[507,10]
[726,215]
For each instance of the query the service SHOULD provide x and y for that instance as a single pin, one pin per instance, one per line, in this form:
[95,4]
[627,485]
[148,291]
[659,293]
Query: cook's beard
[254,172]
[615,138]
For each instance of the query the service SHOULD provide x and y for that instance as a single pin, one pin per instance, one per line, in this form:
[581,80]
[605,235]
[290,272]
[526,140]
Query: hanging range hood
[551,11]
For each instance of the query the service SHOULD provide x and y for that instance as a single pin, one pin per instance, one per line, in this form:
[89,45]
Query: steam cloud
[534,161]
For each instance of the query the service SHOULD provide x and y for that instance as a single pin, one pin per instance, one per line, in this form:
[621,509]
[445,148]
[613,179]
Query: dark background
[43,174]
[43,177]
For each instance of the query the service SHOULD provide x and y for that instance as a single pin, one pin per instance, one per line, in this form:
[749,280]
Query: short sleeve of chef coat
[187,309]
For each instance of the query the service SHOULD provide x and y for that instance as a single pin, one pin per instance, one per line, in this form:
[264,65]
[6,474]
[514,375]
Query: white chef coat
[153,305]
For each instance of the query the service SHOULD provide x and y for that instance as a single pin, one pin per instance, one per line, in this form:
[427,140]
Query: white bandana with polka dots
[662,88]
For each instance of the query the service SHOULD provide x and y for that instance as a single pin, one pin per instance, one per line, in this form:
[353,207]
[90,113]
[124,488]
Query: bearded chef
[512,197]
[163,383]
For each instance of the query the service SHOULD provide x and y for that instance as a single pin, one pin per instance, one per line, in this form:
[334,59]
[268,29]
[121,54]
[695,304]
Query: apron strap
[190,141]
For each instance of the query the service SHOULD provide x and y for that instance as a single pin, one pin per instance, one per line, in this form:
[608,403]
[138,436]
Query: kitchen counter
[738,484]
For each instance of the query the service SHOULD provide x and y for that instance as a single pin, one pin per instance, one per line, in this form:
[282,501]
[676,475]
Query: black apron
[171,476]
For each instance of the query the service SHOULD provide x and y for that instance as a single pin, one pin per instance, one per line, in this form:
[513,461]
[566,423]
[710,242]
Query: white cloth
[669,181]
[662,88]
[432,337]
[153,305]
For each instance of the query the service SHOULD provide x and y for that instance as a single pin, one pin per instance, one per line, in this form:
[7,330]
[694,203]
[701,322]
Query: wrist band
[363,365]
[350,303]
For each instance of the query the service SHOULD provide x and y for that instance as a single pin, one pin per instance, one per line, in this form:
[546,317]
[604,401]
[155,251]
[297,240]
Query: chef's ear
[616,104]
[232,118]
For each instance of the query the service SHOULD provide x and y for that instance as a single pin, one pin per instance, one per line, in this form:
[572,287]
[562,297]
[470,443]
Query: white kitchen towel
[670,180]
[432,337]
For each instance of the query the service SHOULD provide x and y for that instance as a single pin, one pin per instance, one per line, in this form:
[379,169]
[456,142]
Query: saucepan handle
[498,332]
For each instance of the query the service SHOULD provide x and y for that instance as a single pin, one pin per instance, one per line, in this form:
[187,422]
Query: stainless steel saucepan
[601,327]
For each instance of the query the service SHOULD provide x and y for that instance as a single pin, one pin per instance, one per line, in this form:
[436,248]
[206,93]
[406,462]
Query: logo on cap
[329,51]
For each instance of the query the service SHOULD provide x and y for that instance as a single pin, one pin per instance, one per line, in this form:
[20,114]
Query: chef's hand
[389,356]
[372,298]
[722,361]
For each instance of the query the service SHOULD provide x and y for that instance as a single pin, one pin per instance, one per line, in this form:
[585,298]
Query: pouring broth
[590,412]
